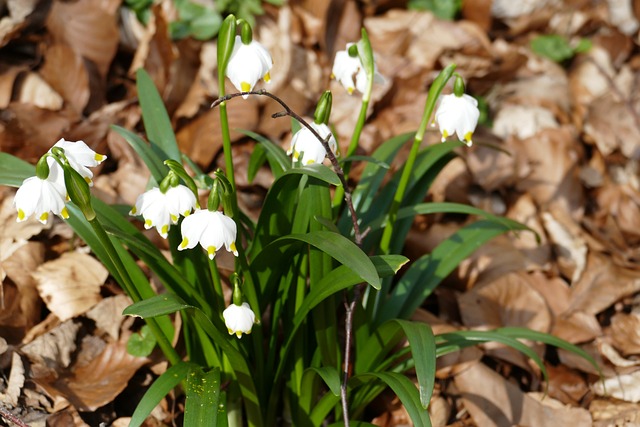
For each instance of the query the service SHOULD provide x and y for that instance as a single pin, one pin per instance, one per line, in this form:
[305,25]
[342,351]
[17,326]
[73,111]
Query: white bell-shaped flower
[248,64]
[307,149]
[239,319]
[160,210]
[350,72]
[212,229]
[40,196]
[80,158]
[459,115]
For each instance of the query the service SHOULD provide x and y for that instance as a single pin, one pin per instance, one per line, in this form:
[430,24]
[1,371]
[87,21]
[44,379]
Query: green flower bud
[42,168]
[237,292]
[226,40]
[353,51]
[179,171]
[213,202]
[458,86]
[323,109]
[246,33]
[78,190]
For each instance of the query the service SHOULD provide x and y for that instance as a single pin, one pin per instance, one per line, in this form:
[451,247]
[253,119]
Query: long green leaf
[158,305]
[157,124]
[342,250]
[317,170]
[149,157]
[278,159]
[202,398]
[403,388]
[423,351]
[329,375]
[428,271]
[14,170]
[158,390]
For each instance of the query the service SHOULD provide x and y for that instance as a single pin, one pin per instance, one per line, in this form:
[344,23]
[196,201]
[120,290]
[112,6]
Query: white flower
[211,229]
[160,209]
[40,196]
[305,144]
[239,319]
[459,115]
[350,72]
[80,158]
[248,64]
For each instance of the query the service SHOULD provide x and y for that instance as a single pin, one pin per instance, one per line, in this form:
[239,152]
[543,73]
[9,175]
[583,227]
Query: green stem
[164,343]
[218,294]
[226,143]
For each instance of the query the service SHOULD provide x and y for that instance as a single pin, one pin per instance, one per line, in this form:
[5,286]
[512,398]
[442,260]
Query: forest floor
[558,149]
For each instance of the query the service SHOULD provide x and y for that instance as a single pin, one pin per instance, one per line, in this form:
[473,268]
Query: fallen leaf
[493,401]
[106,311]
[37,92]
[52,351]
[64,70]
[569,246]
[10,395]
[15,13]
[70,285]
[625,387]
[625,332]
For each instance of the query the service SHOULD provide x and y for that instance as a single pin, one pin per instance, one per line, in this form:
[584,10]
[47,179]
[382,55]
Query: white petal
[248,64]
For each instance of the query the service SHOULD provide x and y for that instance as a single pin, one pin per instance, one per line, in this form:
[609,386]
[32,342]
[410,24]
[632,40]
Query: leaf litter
[568,168]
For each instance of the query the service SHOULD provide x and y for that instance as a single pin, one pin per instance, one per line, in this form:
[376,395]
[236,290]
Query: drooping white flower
[80,158]
[160,210]
[306,148]
[248,64]
[212,229]
[459,115]
[239,319]
[350,72]
[40,196]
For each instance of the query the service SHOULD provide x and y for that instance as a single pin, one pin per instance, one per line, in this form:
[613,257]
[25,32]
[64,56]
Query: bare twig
[4,413]
[359,236]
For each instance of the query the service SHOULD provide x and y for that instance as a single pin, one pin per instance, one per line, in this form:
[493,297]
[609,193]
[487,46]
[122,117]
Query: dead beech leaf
[576,327]
[625,332]
[7,80]
[64,70]
[523,121]
[621,15]
[35,91]
[108,314]
[493,401]
[89,29]
[609,412]
[602,284]
[9,397]
[611,125]
[51,352]
[70,285]
[570,248]
[625,387]
[102,379]
[12,22]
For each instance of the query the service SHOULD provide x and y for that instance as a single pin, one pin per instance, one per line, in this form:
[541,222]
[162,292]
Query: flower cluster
[47,192]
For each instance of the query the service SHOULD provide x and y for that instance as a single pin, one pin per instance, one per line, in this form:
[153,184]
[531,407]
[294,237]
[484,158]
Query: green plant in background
[557,48]
[278,351]
[443,9]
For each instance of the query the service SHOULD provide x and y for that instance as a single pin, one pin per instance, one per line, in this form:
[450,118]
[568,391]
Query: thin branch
[358,235]
[4,413]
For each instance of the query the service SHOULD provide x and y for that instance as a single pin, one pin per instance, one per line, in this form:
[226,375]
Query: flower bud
[78,190]
[323,109]
[42,168]
[226,40]
[458,86]
[246,33]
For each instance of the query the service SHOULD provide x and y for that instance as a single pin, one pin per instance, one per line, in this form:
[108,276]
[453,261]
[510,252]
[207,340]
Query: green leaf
[156,306]
[202,398]
[423,352]
[278,159]
[552,46]
[329,375]
[149,157]
[403,388]
[156,120]
[427,272]
[206,26]
[158,390]
[369,159]
[141,344]
[14,170]
[343,250]
[319,171]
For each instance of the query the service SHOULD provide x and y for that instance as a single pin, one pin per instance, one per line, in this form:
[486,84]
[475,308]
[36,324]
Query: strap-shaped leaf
[159,389]
[157,124]
[403,388]
[14,170]
[202,398]
[278,159]
[149,157]
[423,352]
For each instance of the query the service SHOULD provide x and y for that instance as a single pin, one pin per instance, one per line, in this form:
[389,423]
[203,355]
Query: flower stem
[130,288]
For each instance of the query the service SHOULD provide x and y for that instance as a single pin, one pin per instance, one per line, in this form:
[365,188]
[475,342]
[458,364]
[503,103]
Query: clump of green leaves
[557,47]
[443,9]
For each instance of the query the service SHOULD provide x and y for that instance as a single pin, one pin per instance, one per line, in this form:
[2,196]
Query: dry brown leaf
[70,285]
[576,327]
[611,125]
[64,70]
[9,397]
[51,352]
[493,401]
[108,314]
[37,92]
[602,284]
[611,412]
[621,15]
[89,29]
[625,332]
[15,13]
[102,379]
[523,121]
[566,385]
[7,80]
[625,387]
[569,246]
